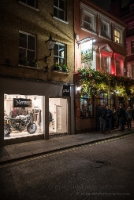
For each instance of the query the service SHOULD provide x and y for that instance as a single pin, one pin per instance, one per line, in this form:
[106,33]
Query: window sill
[120,44]
[60,20]
[60,72]
[28,6]
[29,67]
[89,31]
[107,38]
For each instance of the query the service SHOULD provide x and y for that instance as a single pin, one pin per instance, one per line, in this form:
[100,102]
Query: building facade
[126,14]
[99,46]
[37,65]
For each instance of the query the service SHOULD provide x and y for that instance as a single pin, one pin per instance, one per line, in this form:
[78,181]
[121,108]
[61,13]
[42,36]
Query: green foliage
[31,62]
[61,68]
[92,82]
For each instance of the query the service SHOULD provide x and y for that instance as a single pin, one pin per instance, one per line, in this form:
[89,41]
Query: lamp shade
[50,43]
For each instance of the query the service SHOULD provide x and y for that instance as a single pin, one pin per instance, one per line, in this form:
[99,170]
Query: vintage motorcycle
[19,123]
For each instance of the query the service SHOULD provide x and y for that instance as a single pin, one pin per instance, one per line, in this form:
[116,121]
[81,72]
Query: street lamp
[50,45]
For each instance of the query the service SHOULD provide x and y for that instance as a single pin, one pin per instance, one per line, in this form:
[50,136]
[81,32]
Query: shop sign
[86,51]
[20,102]
[66,90]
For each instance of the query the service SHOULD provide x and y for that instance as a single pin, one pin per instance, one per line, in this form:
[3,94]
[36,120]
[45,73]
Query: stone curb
[28,155]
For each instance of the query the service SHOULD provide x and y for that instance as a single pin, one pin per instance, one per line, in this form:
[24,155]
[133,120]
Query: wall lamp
[50,45]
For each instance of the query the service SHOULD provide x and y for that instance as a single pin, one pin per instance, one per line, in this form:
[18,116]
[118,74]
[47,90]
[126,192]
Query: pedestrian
[109,118]
[133,112]
[129,117]
[102,112]
[114,119]
[121,117]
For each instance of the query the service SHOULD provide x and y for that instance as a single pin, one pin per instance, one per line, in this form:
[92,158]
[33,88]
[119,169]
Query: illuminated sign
[66,90]
[86,51]
[22,102]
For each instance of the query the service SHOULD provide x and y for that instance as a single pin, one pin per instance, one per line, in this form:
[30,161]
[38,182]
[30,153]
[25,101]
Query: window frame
[28,34]
[65,11]
[85,10]
[35,7]
[120,29]
[59,57]
[105,21]
[86,114]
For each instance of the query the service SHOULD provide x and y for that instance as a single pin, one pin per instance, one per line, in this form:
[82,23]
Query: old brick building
[100,46]
[33,78]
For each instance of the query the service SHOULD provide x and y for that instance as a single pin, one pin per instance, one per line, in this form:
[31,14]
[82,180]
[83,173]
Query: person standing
[121,117]
[109,118]
[129,117]
[102,113]
[114,119]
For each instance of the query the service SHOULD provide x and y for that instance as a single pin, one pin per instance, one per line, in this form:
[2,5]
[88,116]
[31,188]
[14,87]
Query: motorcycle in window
[19,123]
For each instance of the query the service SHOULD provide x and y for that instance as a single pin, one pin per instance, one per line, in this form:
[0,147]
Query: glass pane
[30,55]
[56,3]
[22,40]
[61,14]
[62,4]
[87,19]
[22,53]
[55,12]
[56,50]
[31,42]
[86,108]
[30,2]
[62,61]
[56,60]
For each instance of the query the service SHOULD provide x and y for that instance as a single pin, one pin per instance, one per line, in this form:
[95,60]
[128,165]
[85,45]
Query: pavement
[15,152]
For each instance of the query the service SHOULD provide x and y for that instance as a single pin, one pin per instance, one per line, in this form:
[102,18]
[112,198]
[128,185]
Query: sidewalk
[56,143]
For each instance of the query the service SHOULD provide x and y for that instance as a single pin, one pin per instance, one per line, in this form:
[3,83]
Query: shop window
[107,99]
[86,107]
[132,46]
[22,115]
[32,3]
[60,54]
[27,48]
[60,9]
[88,18]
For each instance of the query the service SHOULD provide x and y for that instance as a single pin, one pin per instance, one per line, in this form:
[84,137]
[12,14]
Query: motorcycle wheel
[6,129]
[31,128]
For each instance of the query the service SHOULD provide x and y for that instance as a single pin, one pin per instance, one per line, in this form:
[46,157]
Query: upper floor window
[132,46]
[118,33]
[88,18]
[60,54]
[60,9]
[117,36]
[27,48]
[32,3]
[105,28]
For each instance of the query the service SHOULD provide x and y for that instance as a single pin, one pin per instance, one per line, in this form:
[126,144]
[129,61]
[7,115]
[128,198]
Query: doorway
[58,116]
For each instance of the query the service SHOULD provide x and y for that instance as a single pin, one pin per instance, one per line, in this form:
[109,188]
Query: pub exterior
[100,51]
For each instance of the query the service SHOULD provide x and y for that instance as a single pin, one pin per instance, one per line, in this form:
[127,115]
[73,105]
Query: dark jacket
[102,113]
[109,113]
[121,113]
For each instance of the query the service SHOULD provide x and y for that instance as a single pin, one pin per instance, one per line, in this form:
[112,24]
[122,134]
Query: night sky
[105,4]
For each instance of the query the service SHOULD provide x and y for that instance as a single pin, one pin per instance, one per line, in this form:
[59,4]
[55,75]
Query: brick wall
[16,16]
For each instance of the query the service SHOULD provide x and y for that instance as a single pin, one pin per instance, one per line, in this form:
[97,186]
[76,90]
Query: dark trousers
[121,123]
[129,120]
[102,124]
[109,123]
